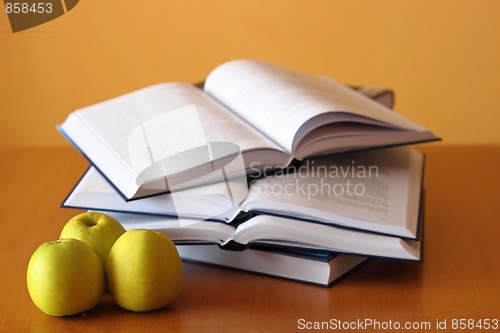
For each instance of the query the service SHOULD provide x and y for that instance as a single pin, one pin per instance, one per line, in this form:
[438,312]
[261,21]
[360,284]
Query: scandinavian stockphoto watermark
[319,178]
[171,152]
[27,14]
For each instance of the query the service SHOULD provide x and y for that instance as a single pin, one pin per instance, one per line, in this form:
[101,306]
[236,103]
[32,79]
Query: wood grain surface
[458,280]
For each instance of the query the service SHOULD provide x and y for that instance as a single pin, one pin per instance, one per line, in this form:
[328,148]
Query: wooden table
[460,278]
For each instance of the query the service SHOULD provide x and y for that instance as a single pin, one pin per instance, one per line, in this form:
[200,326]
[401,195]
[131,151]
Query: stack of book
[262,169]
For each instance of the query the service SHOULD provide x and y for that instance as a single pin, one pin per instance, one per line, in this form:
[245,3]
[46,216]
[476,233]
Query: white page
[178,230]
[289,232]
[279,101]
[204,202]
[114,120]
[376,190]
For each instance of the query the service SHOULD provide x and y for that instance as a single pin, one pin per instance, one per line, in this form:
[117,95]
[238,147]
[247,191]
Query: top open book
[146,141]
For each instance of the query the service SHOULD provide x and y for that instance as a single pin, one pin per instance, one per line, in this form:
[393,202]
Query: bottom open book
[281,247]
[277,232]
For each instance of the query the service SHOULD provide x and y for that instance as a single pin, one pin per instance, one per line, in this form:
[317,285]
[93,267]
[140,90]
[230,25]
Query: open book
[311,267]
[277,232]
[147,140]
[377,190]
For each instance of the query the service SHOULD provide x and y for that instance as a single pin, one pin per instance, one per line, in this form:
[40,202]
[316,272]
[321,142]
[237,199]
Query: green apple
[144,271]
[98,230]
[65,277]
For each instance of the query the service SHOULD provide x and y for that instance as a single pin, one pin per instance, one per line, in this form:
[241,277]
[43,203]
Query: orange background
[442,58]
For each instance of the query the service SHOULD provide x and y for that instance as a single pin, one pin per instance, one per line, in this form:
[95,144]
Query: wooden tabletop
[459,280]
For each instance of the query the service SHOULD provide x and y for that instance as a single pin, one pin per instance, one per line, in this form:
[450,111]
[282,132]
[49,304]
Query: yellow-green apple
[98,230]
[65,277]
[144,271]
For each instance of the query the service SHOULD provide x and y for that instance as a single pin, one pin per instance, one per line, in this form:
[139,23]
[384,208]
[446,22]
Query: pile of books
[261,168]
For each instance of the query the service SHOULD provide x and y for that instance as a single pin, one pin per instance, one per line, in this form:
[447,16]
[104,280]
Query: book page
[212,201]
[180,231]
[279,102]
[117,121]
[291,233]
[374,190]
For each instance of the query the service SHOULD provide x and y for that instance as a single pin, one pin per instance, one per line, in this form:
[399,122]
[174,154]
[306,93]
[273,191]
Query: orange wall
[441,57]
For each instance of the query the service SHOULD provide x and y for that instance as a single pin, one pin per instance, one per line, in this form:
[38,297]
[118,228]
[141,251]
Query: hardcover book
[377,191]
[159,137]
[310,267]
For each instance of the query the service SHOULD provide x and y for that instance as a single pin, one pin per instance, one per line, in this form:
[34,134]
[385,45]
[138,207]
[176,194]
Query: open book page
[274,230]
[215,201]
[181,231]
[376,190]
[279,102]
[117,121]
